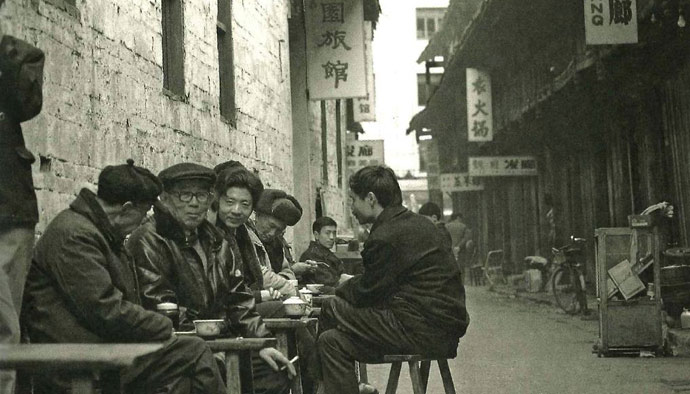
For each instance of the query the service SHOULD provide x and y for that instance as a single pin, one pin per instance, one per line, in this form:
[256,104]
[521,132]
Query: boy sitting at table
[318,264]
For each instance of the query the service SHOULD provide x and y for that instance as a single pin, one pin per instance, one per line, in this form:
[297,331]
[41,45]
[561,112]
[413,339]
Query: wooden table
[352,262]
[284,330]
[234,348]
[81,359]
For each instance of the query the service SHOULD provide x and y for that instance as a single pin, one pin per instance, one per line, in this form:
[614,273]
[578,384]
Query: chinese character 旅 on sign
[336,70]
[365,150]
[333,12]
[334,39]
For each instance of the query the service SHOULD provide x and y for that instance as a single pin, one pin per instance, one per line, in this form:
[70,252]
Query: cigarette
[291,361]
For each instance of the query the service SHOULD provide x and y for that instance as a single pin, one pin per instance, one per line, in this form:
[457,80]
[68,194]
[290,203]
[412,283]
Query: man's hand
[303,267]
[273,357]
[270,294]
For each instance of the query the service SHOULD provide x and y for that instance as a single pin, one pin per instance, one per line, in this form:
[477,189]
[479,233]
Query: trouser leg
[348,334]
[266,380]
[183,365]
[15,257]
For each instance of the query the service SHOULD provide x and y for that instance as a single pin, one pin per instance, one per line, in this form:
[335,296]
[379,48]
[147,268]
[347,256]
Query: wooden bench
[419,372]
[234,349]
[82,361]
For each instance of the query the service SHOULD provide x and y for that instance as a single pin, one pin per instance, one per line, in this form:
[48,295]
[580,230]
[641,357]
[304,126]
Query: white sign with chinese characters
[479,110]
[364,109]
[610,22]
[335,49]
[362,153]
[460,182]
[503,166]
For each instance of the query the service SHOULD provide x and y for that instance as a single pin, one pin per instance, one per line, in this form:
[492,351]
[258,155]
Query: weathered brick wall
[104,99]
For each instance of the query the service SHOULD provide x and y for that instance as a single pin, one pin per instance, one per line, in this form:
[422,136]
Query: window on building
[425,91]
[226,60]
[173,46]
[429,22]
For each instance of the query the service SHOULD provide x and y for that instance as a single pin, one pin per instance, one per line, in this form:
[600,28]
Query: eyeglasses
[202,197]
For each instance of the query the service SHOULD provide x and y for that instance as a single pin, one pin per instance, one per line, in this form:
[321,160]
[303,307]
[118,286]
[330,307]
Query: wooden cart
[633,325]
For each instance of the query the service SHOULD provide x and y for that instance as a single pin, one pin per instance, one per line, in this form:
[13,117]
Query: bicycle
[568,280]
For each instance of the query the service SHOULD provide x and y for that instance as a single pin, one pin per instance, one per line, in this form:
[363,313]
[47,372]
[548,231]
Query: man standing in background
[21,83]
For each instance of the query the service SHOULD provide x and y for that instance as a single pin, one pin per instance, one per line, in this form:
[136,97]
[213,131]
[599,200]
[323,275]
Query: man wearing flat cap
[184,259]
[274,211]
[82,288]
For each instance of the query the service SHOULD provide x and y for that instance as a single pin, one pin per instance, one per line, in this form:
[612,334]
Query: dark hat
[228,165]
[280,205]
[126,182]
[184,171]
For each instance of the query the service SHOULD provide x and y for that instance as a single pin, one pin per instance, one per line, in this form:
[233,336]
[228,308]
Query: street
[514,346]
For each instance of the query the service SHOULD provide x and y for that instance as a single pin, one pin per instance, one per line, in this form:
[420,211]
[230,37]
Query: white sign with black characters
[479,109]
[503,166]
[610,22]
[460,182]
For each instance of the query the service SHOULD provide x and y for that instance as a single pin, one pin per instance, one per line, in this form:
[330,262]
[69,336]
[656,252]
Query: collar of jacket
[169,227]
[387,214]
[86,205]
[318,246]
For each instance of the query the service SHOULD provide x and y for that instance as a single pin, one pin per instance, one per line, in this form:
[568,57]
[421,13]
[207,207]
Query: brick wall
[104,98]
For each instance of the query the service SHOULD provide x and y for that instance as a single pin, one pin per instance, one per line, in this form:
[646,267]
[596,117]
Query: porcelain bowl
[294,307]
[209,328]
[315,288]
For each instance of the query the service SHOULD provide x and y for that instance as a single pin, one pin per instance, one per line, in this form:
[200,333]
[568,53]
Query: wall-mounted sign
[460,182]
[610,22]
[503,166]
[364,109]
[479,109]
[335,49]
[362,153]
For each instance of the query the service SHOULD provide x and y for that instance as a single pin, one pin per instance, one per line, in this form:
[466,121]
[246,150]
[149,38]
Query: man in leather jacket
[182,258]
[21,98]
[82,288]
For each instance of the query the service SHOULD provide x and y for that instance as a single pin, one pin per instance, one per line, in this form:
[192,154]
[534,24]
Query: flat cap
[127,182]
[184,171]
[280,205]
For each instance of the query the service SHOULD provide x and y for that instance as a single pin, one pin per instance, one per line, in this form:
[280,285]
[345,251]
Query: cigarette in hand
[291,361]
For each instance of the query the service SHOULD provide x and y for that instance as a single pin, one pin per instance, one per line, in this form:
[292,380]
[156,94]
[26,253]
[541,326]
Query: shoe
[365,388]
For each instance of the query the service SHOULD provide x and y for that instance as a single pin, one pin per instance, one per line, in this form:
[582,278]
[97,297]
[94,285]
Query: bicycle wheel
[564,286]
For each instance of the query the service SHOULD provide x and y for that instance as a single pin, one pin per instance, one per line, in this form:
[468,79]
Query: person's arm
[379,280]
[241,310]
[153,269]
[80,271]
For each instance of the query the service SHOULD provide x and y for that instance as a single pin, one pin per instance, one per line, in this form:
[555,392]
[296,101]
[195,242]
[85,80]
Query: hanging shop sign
[503,166]
[362,153]
[610,22]
[479,110]
[364,109]
[335,49]
[460,182]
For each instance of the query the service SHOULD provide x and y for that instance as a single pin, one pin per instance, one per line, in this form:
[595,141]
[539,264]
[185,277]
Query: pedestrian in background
[21,98]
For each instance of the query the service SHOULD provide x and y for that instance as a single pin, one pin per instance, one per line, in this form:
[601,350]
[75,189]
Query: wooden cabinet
[629,326]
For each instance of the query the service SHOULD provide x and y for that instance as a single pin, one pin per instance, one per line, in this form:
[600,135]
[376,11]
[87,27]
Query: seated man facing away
[318,264]
[410,298]
[433,213]
[182,258]
[82,288]
[275,210]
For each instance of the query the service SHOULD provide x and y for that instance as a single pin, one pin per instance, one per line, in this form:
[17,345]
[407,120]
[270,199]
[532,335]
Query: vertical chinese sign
[364,109]
[610,22]
[479,110]
[335,49]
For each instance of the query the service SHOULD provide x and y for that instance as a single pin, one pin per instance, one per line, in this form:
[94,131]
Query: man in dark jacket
[410,298]
[182,258]
[323,266]
[82,288]
[21,81]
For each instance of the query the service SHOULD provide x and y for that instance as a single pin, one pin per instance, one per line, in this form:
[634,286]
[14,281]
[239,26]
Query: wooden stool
[419,372]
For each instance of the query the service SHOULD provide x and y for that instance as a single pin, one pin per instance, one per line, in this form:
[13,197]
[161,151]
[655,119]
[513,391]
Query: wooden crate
[633,325]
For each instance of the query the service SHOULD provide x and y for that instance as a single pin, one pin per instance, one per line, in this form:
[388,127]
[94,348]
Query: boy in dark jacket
[318,264]
[410,298]
[82,288]
[21,98]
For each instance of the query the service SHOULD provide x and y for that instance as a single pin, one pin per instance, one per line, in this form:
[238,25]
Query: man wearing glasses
[184,259]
